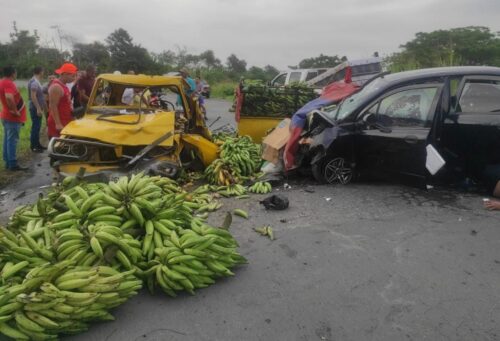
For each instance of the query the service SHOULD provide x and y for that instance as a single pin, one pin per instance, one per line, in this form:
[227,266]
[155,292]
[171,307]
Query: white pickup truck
[362,70]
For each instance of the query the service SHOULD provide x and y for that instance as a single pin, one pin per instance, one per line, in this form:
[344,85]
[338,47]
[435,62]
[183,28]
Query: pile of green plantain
[86,248]
[262,100]
[239,160]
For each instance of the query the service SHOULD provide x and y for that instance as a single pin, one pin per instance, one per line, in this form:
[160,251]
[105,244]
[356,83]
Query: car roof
[415,75]
[141,80]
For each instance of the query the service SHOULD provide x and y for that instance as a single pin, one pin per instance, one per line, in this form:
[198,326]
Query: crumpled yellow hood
[150,128]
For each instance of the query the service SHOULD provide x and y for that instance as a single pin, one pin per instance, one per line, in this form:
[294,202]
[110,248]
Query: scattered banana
[260,187]
[265,231]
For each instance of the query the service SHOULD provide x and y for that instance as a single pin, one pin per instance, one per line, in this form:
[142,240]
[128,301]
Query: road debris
[275,202]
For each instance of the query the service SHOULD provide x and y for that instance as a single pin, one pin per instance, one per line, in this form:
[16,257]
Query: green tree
[236,65]
[473,45]
[265,74]
[321,61]
[22,51]
[95,53]
[50,59]
[209,59]
[125,55]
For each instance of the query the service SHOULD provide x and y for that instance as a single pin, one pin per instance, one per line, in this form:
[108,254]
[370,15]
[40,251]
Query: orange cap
[67,68]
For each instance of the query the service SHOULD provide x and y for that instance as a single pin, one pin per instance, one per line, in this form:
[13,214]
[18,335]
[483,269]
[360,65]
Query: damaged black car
[440,124]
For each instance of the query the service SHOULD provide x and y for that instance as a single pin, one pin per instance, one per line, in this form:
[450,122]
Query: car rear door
[472,130]
[394,140]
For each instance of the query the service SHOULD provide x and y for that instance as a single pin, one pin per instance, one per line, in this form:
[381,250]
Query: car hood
[150,128]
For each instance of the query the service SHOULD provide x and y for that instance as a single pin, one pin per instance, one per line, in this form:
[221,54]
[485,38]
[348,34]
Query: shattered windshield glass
[352,102]
[128,99]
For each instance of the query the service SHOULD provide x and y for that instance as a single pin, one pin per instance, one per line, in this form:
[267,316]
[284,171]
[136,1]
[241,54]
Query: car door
[394,138]
[472,130]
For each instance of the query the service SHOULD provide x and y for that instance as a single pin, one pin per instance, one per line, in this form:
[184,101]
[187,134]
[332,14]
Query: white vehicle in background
[362,70]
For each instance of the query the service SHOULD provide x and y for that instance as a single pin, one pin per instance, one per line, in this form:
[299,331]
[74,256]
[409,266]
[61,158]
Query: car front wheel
[333,170]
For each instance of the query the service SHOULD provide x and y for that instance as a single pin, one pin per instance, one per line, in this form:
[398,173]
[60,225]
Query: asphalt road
[358,262]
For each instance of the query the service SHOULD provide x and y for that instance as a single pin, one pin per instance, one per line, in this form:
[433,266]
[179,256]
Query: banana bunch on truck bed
[86,248]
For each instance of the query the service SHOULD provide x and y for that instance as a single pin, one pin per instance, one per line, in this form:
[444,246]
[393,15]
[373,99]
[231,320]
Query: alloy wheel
[336,170]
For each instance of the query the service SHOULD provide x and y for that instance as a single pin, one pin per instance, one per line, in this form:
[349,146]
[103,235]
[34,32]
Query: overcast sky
[276,32]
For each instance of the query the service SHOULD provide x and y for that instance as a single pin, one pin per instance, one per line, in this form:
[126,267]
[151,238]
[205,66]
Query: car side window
[295,77]
[480,96]
[407,108]
[280,80]
[311,75]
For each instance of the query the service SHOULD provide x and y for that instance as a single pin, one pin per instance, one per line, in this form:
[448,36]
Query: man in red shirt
[60,109]
[85,84]
[13,116]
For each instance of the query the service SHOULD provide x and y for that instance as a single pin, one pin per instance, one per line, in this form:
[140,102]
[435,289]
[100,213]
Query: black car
[439,123]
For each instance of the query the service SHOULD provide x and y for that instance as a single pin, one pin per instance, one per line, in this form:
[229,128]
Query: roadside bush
[224,90]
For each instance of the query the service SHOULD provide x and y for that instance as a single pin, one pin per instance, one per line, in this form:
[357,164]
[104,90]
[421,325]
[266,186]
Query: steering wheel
[160,102]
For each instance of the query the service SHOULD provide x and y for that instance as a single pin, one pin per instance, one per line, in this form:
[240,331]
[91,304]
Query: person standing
[37,108]
[85,84]
[60,109]
[190,89]
[13,116]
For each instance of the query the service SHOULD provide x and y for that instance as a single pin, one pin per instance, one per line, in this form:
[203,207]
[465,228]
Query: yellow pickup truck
[135,123]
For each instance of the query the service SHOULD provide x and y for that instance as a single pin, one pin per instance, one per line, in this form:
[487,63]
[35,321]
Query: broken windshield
[352,102]
[114,98]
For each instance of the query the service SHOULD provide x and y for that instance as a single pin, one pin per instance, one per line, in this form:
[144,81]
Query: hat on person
[184,70]
[67,68]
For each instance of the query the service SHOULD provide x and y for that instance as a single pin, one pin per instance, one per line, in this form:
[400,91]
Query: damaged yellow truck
[134,123]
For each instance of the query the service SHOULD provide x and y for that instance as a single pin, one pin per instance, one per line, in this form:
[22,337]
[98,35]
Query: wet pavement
[358,262]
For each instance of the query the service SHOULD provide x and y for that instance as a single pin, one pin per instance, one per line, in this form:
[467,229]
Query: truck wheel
[335,169]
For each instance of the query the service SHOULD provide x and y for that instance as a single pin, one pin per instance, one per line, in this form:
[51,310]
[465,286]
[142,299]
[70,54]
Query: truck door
[394,140]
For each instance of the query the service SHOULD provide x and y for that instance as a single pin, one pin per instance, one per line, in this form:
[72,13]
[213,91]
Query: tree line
[473,45]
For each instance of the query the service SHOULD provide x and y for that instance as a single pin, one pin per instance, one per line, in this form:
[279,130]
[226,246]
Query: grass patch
[23,146]
[223,90]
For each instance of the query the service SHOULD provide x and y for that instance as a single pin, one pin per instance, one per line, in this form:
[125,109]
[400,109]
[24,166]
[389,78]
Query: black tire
[333,169]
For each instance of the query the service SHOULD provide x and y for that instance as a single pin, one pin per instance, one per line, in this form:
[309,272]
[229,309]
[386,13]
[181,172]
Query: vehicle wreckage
[134,123]
[430,125]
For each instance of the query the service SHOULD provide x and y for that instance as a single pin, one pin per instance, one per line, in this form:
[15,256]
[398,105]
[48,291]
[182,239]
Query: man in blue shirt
[191,83]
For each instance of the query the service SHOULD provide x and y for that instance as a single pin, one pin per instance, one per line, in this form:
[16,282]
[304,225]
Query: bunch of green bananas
[92,238]
[242,153]
[221,172]
[192,258]
[260,187]
[61,298]
[232,190]
[239,158]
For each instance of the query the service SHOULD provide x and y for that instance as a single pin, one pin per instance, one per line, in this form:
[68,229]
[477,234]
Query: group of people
[55,101]
[63,92]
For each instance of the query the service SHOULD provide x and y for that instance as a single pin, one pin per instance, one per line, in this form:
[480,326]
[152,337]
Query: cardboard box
[275,141]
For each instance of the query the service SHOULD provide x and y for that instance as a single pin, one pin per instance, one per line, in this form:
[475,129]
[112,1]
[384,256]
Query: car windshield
[126,99]
[350,103]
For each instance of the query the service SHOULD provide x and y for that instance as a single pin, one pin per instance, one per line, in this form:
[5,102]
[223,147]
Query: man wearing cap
[13,116]
[60,108]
